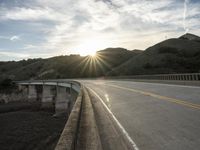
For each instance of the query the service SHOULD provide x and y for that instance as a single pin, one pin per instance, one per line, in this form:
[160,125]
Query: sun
[93,54]
[89,47]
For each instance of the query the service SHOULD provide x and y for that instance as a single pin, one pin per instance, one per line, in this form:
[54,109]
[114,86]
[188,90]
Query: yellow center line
[173,100]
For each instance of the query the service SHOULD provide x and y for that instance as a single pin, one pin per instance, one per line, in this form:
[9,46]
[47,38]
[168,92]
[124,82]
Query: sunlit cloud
[90,46]
[31,14]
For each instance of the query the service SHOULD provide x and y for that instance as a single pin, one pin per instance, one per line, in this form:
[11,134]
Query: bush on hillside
[7,85]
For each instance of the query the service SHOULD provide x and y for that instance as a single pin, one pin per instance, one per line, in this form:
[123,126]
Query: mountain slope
[178,55]
[73,66]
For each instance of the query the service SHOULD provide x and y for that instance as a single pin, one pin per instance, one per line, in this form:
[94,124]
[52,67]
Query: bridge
[139,113]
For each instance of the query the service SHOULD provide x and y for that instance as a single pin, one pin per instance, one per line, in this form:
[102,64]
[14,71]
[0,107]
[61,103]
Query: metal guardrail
[181,77]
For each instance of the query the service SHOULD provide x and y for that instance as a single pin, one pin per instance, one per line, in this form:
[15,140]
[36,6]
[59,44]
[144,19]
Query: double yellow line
[173,100]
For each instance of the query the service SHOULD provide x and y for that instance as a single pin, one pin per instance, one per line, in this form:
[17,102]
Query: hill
[73,66]
[177,55]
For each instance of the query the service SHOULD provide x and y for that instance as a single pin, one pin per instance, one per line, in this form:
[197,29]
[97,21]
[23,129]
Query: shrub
[7,85]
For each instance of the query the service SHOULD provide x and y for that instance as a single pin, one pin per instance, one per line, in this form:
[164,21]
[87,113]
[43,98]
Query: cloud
[52,27]
[11,38]
[15,38]
[13,54]
[31,14]
[4,37]
[30,46]
[185,15]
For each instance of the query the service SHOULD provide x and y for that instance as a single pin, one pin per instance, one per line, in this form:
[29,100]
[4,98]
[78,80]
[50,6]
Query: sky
[46,28]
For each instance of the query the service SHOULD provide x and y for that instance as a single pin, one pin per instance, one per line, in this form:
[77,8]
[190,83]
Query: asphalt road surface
[155,116]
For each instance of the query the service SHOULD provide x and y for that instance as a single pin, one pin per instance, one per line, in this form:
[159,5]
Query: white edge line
[118,123]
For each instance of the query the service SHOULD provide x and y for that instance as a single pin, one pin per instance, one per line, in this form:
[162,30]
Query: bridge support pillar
[23,89]
[62,100]
[48,96]
[32,93]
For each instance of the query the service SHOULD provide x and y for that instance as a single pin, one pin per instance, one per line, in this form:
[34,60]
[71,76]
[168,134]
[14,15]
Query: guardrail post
[193,77]
[196,76]
[181,77]
[186,77]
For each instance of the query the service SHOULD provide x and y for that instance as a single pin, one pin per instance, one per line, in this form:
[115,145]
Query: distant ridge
[73,66]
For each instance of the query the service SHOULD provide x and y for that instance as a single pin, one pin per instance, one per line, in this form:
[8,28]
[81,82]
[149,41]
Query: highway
[155,116]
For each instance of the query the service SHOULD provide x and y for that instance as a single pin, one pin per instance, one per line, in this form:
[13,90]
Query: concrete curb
[68,138]
[89,138]
[80,131]
[112,135]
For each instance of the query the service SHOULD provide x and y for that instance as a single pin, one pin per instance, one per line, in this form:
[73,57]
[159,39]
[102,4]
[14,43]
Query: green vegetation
[7,85]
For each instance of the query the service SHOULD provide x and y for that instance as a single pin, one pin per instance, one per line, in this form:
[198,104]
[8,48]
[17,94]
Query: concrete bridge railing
[51,93]
[80,131]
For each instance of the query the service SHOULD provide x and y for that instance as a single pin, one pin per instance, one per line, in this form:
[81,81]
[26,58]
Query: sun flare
[92,54]
[89,47]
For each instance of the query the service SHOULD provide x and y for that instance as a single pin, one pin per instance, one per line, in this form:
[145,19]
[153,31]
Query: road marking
[178,101]
[118,123]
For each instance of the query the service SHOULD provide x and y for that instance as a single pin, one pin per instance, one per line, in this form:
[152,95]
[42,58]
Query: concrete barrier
[68,138]
[89,138]
[80,131]
[52,93]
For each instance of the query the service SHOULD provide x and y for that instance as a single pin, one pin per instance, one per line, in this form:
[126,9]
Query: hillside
[178,55]
[73,66]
